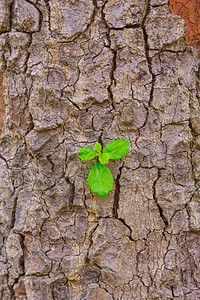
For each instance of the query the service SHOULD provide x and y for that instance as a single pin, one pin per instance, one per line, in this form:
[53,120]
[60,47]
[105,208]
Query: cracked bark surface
[74,73]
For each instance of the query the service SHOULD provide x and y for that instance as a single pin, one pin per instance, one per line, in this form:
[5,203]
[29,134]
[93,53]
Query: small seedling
[100,179]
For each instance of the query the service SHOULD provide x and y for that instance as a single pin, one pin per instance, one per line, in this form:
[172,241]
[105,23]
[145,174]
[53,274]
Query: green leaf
[87,154]
[117,149]
[104,158]
[100,180]
[98,147]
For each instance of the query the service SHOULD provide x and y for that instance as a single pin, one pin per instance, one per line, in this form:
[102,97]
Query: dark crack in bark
[149,60]
[49,14]
[129,228]
[22,258]
[12,224]
[11,14]
[112,77]
[114,60]
[117,194]
[156,201]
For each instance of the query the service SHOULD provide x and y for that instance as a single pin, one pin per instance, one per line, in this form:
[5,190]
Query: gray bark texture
[77,72]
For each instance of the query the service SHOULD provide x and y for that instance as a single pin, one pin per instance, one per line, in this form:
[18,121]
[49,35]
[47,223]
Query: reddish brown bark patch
[189,10]
[1,103]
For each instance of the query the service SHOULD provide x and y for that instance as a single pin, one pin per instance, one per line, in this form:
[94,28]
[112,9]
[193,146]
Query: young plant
[100,179]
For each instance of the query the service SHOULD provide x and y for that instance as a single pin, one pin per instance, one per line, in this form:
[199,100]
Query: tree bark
[77,72]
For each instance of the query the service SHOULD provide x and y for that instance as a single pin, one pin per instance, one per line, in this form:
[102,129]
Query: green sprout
[100,179]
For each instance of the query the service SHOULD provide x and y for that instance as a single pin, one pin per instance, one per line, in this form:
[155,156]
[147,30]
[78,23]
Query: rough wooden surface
[78,72]
[1,103]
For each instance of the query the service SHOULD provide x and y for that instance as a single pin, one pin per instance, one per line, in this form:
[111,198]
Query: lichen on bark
[74,73]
